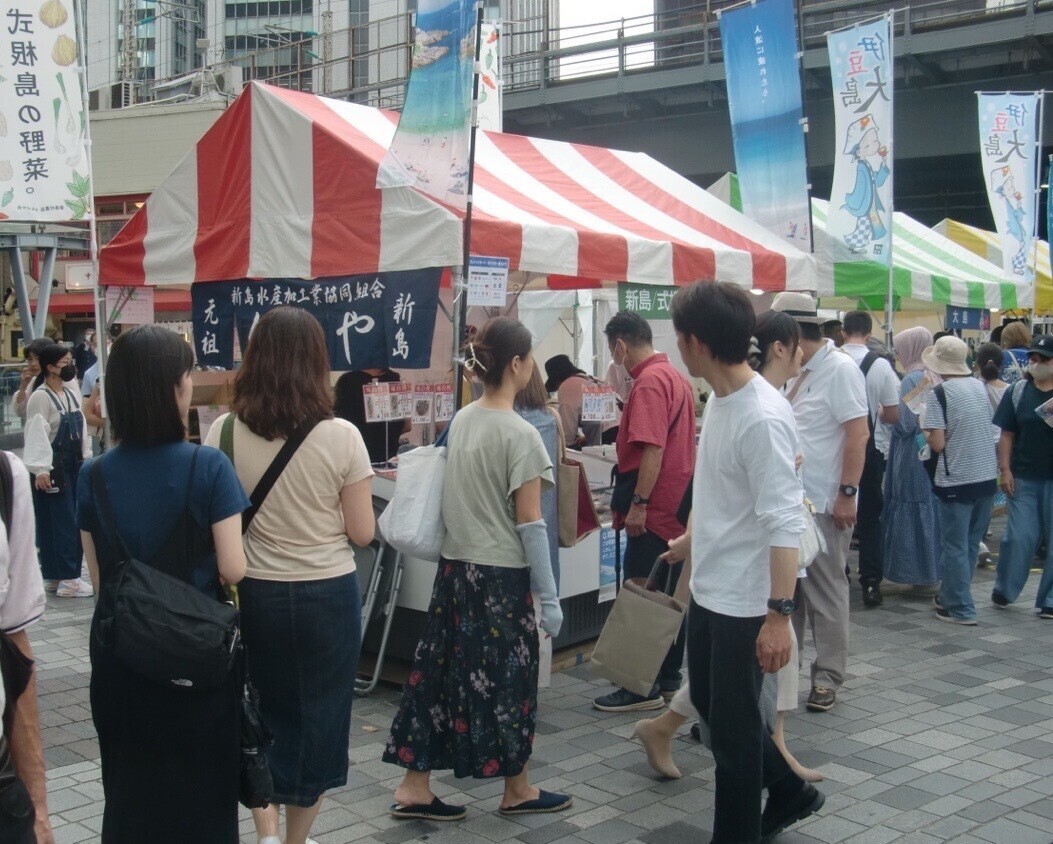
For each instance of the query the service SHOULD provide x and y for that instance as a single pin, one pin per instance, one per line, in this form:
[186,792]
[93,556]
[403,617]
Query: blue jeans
[962,526]
[1030,521]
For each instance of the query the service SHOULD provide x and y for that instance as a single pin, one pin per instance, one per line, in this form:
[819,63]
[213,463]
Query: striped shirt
[968,457]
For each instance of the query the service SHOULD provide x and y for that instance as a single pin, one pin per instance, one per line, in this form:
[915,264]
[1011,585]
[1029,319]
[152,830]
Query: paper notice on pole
[487,281]
[130,305]
[608,564]
[423,403]
[207,416]
[598,404]
[443,402]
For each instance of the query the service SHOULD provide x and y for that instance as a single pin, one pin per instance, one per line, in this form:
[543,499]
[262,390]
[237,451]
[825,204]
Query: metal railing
[371,63]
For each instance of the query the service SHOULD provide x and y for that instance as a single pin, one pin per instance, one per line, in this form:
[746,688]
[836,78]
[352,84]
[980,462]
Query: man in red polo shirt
[656,441]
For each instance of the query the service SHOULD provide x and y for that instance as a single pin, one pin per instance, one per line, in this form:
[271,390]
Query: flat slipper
[546,802]
[434,811]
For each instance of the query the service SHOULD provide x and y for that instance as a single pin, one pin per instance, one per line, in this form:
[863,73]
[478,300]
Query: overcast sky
[578,12]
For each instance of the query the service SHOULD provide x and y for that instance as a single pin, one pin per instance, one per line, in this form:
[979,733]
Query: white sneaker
[270,839]
[50,585]
[74,589]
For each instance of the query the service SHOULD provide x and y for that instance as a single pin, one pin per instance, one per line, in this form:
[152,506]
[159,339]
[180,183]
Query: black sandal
[434,811]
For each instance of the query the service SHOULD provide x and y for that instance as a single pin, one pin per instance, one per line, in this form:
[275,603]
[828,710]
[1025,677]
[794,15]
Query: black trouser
[640,555]
[17,814]
[725,679]
[868,529]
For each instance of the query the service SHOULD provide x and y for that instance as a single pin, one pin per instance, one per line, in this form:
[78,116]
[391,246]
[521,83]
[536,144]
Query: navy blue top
[147,488]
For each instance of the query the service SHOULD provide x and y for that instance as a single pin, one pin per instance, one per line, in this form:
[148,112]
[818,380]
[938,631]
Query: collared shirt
[832,394]
[660,412]
[882,391]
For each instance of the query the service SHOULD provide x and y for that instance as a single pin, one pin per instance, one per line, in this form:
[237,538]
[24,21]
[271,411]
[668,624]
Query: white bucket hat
[801,306]
[947,357]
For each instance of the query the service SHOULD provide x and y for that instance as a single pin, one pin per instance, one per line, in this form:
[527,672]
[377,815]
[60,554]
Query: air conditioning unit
[114,96]
[230,79]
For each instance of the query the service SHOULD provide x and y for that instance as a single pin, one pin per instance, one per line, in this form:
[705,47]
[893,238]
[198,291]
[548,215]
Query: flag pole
[460,285]
[890,300]
[1038,204]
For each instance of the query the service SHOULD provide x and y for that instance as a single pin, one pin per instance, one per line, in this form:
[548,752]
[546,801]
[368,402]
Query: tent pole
[460,281]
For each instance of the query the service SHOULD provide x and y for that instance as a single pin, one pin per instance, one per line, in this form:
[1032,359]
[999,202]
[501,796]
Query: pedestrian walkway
[942,733]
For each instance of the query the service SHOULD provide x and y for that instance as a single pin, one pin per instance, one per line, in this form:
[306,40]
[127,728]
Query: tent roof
[988,246]
[927,267]
[283,186]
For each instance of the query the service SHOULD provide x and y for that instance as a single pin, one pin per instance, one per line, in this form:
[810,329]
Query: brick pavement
[942,733]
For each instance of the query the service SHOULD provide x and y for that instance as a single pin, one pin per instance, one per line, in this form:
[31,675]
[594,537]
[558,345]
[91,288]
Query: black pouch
[624,487]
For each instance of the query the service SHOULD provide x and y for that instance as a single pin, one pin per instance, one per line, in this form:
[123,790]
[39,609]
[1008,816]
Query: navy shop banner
[384,320]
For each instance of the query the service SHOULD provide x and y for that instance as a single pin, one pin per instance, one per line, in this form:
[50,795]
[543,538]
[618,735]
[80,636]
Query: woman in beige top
[301,617]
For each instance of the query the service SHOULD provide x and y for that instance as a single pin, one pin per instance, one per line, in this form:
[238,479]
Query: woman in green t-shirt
[470,703]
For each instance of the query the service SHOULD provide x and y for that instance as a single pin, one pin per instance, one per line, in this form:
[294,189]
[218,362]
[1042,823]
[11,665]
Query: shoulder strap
[7,491]
[868,361]
[259,494]
[53,397]
[1018,393]
[226,437]
[105,509]
[941,397]
[797,386]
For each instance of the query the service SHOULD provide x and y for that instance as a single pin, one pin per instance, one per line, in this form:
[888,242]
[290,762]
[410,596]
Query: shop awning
[987,245]
[84,303]
[282,186]
[927,267]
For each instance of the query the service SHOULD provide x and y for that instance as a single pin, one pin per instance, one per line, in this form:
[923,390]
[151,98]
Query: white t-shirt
[22,597]
[832,394]
[882,391]
[747,499]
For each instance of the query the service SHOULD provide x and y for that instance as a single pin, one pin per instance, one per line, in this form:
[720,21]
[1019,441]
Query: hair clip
[472,362]
[754,348]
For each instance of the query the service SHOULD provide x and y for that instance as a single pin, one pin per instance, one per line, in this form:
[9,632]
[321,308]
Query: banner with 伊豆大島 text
[1008,150]
[44,167]
[764,97]
[860,219]
[431,145]
[382,321]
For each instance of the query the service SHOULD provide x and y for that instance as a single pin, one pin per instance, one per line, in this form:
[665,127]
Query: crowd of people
[809,427]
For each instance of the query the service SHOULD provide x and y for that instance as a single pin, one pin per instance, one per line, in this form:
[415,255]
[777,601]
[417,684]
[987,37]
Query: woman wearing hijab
[910,520]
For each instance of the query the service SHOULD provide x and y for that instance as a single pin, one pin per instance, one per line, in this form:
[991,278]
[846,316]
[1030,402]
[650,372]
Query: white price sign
[388,402]
[487,281]
[598,404]
[423,403]
[443,402]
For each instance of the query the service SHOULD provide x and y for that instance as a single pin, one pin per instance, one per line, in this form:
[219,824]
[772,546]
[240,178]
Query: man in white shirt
[746,529]
[882,386]
[830,405]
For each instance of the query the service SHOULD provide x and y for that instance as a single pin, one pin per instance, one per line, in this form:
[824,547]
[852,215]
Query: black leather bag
[162,627]
[624,483]
[255,786]
[17,814]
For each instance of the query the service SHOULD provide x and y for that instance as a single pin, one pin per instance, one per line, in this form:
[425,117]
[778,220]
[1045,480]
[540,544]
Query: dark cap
[1042,344]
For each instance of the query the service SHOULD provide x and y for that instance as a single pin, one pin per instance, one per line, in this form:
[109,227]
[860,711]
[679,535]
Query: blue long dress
[910,520]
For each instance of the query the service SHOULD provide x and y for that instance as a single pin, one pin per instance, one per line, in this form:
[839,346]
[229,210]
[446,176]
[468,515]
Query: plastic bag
[37,452]
[412,522]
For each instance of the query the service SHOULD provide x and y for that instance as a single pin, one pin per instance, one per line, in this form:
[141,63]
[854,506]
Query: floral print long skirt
[470,703]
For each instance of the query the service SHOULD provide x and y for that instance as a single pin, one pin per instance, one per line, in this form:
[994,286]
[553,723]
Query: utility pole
[327,52]
[129,42]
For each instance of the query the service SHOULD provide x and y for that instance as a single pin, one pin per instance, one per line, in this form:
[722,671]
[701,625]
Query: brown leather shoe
[821,699]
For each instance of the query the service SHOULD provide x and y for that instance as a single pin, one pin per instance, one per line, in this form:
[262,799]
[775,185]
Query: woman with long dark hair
[471,700]
[301,614]
[57,444]
[170,754]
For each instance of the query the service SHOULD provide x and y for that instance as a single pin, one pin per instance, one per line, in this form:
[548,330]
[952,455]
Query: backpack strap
[941,397]
[226,438]
[868,361]
[259,494]
[1018,393]
[7,492]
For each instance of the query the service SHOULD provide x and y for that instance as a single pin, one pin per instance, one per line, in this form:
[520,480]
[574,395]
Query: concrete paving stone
[949,827]
[615,831]
[905,797]
[674,833]
[1003,831]
[940,782]
[557,831]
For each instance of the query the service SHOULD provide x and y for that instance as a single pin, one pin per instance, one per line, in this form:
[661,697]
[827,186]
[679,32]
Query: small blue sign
[968,319]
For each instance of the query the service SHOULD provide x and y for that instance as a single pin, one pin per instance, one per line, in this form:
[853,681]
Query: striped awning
[282,186]
[988,246]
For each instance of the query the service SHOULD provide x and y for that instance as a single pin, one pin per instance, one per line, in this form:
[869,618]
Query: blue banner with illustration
[384,320]
[860,219]
[431,144]
[764,97]
[1008,132]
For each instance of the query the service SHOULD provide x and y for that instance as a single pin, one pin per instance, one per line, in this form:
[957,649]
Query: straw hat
[801,306]
[947,357]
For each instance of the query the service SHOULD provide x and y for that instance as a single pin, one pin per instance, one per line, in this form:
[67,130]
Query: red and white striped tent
[282,186]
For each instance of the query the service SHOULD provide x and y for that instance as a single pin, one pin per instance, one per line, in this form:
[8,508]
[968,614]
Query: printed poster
[44,169]
[431,144]
[608,562]
[1008,132]
[598,403]
[130,305]
[860,217]
[764,97]
[487,281]
[490,113]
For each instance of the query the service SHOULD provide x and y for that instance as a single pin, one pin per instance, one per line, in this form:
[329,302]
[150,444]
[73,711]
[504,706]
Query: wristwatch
[848,490]
[639,500]
[783,606]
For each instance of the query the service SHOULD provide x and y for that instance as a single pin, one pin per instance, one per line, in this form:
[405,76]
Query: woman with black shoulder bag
[161,514]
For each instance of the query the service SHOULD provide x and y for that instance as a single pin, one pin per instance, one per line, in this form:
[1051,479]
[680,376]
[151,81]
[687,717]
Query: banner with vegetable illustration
[44,168]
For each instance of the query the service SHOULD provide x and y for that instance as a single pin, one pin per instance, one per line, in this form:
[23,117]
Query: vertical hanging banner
[1008,132]
[431,144]
[44,173]
[490,113]
[861,197]
[764,96]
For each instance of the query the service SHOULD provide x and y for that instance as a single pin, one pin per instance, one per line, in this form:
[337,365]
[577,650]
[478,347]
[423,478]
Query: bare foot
[806,774]
[659,748]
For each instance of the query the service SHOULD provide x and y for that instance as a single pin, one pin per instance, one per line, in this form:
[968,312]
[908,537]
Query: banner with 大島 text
[1008,150]
[764,97]
[381,321]
[44,169]
[860,218]
[431,144]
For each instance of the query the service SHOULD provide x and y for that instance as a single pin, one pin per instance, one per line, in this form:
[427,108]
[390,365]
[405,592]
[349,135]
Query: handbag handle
[650,584]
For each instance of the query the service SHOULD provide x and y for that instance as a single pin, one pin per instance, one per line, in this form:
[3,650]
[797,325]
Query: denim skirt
[303,640]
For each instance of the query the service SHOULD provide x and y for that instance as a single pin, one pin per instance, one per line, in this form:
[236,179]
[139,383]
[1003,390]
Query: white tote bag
[812,541]
[412,522]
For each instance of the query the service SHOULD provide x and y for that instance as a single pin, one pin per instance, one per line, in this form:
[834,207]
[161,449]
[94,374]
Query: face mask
[68,372]
[1041,371]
